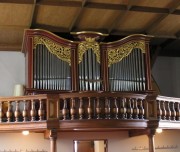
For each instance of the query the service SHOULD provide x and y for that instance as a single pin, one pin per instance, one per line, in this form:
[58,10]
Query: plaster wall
[166,72]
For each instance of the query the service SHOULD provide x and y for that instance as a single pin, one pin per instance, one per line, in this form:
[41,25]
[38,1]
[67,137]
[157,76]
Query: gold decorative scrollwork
[117,54]
[62,52]
[89,43]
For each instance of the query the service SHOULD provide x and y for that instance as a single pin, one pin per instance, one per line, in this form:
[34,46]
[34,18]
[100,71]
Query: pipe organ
[86,64]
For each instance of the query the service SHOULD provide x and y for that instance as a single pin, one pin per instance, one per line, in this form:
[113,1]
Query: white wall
[12,71]
[117,141]
[17,141]
[166,72]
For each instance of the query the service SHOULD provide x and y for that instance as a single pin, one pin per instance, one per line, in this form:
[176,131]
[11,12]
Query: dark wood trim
[18,1]
[40,126]
[68,3]
[149,9]
[106,6]
[102,125]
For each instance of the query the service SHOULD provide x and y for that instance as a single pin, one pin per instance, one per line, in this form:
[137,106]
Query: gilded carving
[117,54]
[89,43]
[62,52]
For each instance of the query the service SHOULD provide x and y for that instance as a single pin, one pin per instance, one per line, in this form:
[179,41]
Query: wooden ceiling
[118,18]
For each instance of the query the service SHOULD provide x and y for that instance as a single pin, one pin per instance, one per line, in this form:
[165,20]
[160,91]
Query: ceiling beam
[155,22]
[106,6]
[126,33]
[10,47]
[78,16]
[33,14]
[149,9]
[121,17]
[13,27]
[51,28]
[18,1]
[68,3]
[71,3]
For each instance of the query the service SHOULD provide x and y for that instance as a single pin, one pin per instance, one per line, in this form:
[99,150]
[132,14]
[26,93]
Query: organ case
[55,64]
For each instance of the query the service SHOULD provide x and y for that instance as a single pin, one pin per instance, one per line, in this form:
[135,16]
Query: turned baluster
[159,111]
[65,110]
[9,112]
[178,111]
[73,109]
[41,111]
[141,109]
[116,109]
[89,109]
[1,111]
[98,109]
[123,109]
[25,111]
[81,109]
[163,115]
[168,112]
[107,108]
[135,109]
[33,111]
[173,112]
[17,112]
[129,109]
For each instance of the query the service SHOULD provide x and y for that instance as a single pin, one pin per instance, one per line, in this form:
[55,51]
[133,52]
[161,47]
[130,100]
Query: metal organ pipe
[128,74]
[50,72]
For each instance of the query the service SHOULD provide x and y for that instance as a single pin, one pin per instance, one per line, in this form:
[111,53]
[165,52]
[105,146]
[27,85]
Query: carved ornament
[117,54]
[62,52]
[89,43]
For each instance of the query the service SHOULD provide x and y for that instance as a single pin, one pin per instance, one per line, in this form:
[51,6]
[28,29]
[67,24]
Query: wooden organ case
[55,64]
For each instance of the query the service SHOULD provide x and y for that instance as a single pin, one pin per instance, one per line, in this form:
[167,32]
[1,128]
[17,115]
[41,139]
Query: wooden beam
[106,6]
[10,47]
[51,28]
[149,9]
[68,3]
[33,14]
[18,1]
[121,17]
[78,15]
[13,27]
[155,22]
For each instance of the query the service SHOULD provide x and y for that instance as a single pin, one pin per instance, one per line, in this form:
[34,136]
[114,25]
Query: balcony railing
[168,108]
[88,106]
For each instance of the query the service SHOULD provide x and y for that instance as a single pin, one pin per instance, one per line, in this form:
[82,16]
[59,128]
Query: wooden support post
[151,140]
[53,138]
